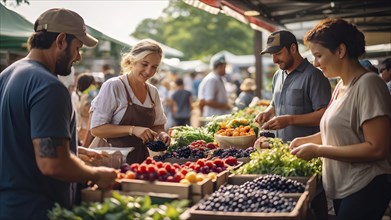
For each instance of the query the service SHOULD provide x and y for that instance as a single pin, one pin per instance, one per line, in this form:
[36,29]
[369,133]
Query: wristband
[131,130]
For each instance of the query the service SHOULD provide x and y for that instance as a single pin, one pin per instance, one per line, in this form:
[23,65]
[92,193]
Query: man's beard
[288,64]
[62,64]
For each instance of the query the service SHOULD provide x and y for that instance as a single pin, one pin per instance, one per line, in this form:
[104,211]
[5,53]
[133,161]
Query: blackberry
[267,134]
[276,183]
[156,146]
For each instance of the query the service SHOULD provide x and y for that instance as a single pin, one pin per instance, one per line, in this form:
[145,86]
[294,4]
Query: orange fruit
[130,175]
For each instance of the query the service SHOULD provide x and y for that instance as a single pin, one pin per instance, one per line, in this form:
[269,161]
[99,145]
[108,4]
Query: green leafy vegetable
[120,208]
[279,160]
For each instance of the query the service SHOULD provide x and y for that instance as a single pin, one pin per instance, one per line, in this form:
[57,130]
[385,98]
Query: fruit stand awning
[371,17]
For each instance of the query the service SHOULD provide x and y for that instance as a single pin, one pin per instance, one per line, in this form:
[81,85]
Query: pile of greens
[278,160]
[120,207]
[184,135]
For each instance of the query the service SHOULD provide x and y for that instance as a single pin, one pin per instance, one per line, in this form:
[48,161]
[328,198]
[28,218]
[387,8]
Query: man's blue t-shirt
[34,104]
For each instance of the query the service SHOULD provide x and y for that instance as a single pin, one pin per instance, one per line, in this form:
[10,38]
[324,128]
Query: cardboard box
[298,213]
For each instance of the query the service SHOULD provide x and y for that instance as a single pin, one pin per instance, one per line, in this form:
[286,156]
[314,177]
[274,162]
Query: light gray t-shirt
[212,88]
[341,125]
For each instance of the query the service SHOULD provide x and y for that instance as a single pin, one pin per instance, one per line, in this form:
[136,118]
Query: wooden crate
[240,163]
[298,213]
[193,192]
[96,195]
[244,159]
[310,182]
[221,179]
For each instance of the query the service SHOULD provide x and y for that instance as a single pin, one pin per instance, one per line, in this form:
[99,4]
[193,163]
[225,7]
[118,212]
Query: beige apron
[135,115]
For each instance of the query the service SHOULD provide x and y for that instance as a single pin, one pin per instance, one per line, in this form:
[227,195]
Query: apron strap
[149,94]
[127,92]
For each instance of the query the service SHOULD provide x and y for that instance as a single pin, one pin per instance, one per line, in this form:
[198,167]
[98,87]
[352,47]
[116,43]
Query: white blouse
[109,106]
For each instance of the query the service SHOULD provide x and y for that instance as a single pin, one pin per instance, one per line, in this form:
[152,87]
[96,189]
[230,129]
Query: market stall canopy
[14,30]
[371,17]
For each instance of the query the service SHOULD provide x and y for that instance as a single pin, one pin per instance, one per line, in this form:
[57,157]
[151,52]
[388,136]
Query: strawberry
[218,162]
[211,146]
[201,162]
[176,165]
[209,164]
[231,161]
[184,171]
[170,168]
[159,164]
[178,177]
[134,167]
[170,179]
[151,168]
[197,168]
[149,160]
[162,171]
[142,168]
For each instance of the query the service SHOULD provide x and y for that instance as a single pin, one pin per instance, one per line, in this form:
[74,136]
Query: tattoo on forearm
[47,147]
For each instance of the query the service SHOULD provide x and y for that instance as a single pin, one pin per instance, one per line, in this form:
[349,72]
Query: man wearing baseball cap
[301,94]
[300,91]
[38,162]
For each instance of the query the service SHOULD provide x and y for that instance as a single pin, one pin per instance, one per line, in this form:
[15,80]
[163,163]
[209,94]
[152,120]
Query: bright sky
[115,18]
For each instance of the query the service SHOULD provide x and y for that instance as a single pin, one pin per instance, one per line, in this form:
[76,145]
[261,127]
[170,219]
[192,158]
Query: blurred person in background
[128,111]
[38,131]
[69,81]
[86,90]
[247,93]
[212,95]
[181,104]
[108,72]
[300,91]
[196,83]
[354,139]
[385,71]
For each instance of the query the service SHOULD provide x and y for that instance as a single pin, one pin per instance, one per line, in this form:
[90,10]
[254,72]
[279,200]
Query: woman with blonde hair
[127,111]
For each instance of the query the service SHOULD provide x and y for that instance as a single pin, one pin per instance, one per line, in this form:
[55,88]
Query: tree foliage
[197,33]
